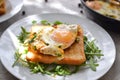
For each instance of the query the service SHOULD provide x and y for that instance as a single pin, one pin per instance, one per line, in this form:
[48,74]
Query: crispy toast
[74,55]
[2,7]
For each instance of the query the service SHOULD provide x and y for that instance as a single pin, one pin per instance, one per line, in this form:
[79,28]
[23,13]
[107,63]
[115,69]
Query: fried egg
[55,39]
[63,36]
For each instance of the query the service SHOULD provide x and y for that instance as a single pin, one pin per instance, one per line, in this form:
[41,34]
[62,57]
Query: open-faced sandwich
[57,44]
[2,7]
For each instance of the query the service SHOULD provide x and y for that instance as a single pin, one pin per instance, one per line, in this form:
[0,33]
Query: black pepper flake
[81,11]
[23,12]
[79,5]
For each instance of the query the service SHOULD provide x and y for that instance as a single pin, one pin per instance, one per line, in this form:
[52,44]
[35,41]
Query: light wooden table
[64,6]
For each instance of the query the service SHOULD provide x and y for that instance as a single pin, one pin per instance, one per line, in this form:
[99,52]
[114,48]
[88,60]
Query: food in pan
[59,45]
[2,7]
[109,8]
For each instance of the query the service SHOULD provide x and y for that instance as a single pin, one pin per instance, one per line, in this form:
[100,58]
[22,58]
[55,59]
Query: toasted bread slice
[2,7]
[74,55]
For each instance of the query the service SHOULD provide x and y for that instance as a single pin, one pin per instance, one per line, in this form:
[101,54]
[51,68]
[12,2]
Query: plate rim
[5,17]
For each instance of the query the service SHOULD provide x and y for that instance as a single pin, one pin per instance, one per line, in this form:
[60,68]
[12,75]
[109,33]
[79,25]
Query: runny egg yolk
[63,36]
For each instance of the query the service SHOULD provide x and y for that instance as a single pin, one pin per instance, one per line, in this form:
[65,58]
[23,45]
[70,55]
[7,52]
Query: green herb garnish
[57,23]
[93,64]
[17,57]
[23,35]
[45,22]
[55,69]
[92,52]
[34,22]
[34,36]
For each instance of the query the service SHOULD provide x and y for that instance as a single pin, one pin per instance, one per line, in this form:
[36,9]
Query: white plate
[12,8]
[92,30]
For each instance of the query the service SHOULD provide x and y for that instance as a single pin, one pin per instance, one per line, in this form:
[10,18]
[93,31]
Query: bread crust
[2,7]
[74,55]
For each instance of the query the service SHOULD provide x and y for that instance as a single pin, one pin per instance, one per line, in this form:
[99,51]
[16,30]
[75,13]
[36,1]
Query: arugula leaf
[23,35]
[48,69]
[34,36]
[92,52]
[34,22]
[76,69]
[17,57]
[45,22]
[62,70]
[57,23]
[35,67]
[93,64]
